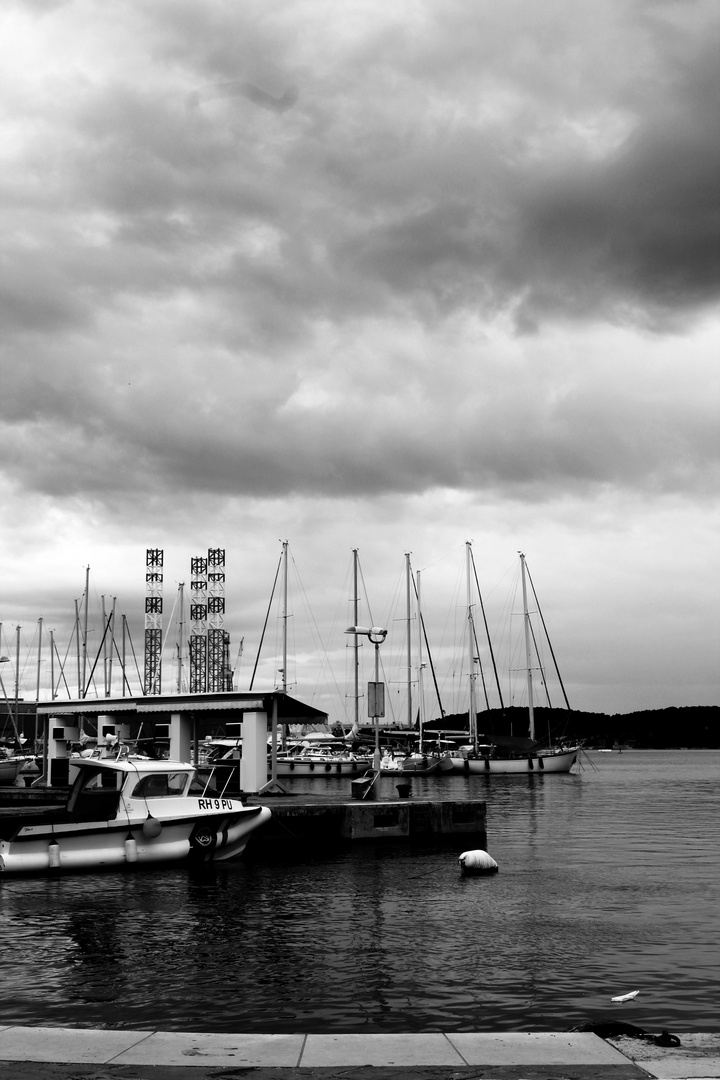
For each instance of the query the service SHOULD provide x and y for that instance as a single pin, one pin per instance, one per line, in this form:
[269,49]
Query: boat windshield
[161,785]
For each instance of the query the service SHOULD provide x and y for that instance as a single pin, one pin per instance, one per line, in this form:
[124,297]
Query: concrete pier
[317,821]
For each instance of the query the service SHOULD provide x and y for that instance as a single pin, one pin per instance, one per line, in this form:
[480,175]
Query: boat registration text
[216,804]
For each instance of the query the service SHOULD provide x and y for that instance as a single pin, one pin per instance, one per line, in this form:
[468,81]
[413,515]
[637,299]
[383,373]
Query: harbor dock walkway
[41,1053]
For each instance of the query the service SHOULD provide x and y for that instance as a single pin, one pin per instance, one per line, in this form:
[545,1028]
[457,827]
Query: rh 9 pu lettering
[215,804]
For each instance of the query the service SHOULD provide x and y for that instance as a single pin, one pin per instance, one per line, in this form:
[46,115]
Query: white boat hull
[335,767]
[10,769]
[561,762]
[121,813]
[95,845]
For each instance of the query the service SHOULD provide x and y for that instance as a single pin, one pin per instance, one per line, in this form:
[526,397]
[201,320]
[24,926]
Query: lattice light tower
[198,619]
[216,666]
[153,620]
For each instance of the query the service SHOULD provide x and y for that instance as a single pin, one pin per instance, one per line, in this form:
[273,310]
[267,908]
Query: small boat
[125,811]
[322,761]
[10,768]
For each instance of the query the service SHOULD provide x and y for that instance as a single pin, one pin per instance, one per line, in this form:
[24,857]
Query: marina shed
[184,719]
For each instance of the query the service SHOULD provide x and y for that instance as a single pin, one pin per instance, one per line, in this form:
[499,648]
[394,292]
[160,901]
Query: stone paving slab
[40,1053]
[237,1051]
[535,1048]
[432,1048]
[66,1044]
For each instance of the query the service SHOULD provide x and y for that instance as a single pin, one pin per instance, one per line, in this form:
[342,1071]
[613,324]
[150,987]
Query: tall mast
[104,647]
[471,645]
[528,655]
[124,635]
[112,645]
[409,641]
[356,639]
[37,688]
[85,631]
[17,670]
[181,592]
[285,615]
[421,706]
[39,660]
[52,665]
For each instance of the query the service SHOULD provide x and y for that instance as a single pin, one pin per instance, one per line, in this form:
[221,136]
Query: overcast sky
[385,276]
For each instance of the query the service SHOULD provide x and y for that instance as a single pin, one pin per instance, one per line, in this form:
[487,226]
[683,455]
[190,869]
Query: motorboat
[124,811]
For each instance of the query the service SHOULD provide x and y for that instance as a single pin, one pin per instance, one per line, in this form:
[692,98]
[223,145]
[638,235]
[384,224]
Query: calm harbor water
[609,882]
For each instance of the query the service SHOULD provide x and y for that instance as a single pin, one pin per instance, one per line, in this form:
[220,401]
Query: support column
[180,730]
[253,765]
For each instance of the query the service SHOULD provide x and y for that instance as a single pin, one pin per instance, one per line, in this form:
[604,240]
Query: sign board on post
[376,699]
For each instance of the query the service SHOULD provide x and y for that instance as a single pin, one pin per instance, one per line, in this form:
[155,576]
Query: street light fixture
[376,691]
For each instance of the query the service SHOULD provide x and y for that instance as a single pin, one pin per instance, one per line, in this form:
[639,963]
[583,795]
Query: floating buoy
[477,862]
[625,997]
[151,827]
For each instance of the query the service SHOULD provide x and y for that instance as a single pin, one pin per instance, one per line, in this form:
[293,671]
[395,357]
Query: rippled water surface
[609,882]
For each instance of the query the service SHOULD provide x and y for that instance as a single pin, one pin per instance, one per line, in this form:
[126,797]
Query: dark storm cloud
[190,213]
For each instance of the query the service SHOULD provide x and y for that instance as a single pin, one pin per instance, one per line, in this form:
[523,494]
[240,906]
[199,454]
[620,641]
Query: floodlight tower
[198,618]
[153,620]
[216,665]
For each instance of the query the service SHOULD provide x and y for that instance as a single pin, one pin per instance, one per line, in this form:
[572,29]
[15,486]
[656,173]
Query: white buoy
[477,862]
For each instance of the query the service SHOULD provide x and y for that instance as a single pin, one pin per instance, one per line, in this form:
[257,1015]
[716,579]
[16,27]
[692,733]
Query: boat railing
[215,771]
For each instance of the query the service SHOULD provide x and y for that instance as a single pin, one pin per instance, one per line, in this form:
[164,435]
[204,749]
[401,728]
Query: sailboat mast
[39,662]
[471,646]
[85,631]
[409,641]
[285,616]
[52,665]
[181,631]
[17,670]
[421,709]
[528,654]
[356,646]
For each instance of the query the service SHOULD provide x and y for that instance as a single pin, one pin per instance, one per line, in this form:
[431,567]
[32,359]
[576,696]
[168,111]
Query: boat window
[103,780]
[160,785]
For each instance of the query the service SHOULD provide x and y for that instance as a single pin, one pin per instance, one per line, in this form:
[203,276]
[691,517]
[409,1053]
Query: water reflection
[607,881]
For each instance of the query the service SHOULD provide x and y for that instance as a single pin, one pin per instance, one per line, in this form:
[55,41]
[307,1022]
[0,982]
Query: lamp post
[376,690]
[6,660]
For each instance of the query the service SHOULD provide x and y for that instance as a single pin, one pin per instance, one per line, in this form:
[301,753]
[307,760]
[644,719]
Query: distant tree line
[692,726]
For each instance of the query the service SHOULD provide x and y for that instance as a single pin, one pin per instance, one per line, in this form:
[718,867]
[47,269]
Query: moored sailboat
[508,755]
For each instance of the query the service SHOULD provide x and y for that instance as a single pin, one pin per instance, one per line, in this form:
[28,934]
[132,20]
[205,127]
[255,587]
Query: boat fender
[312,766]
[541,764]
[151,827]
[130,848]
[530,763]
[53,855]
[328,768]
[292,766]
[487,764]
[338,767]
[477,862]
